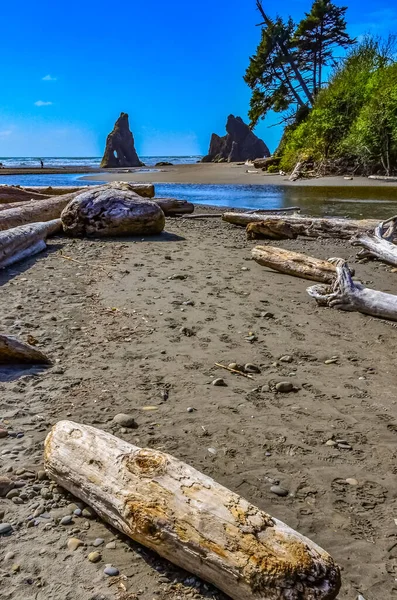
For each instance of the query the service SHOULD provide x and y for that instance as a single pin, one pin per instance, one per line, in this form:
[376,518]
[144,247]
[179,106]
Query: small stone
[250,368]
[125,421]
[284,387]
[278,490]
[267,315]
[111,571]
[16,568]
[111,545]
[234,366]
[351,481]
[212,451]
[12,494]
[98,542]
[219,382]
[41,475]
[244,268]
[6,485]
[177,276]
[88,513]
[331,361]
[3,433]
[188,303]
[186,331]
[330,443]
[286,359]
[5,528]
[9,556]
[74,543]
[190,409]
[94,557]
[46,493]
[344,446]
[77,512]
[66,520]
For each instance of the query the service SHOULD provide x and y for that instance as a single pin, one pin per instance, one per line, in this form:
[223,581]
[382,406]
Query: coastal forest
[336,95]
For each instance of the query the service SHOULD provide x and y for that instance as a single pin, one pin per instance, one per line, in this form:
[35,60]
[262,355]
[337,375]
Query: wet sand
[226,173]
[112,324]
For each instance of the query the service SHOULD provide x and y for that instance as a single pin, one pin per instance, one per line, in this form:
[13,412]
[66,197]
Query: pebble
[278,490]
[74,543]
[250,368]
[284,386]
[77,512]
[46,493]
[98,542]
[66,520]
[219,382]
[94,557]
[6,485]
[125,421]
[5,528]
[234,366]
[12,494]
[3,433]
[88,513]
[41,475]
[342,445]
[111,571]
[331,361]
[9,556]
[111,545]
[190,409]
[286,359]
[330,443]
[267,315]
[351,481]
[212,451]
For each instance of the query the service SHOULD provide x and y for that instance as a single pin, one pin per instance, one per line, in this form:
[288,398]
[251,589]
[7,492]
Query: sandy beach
[228,173]
[110,315]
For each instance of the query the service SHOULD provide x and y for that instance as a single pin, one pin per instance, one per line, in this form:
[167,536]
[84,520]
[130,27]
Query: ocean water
[89,162]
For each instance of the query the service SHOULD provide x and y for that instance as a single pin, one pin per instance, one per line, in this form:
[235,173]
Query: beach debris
[279,491]
[279,230]
[125,421]
[265,163]
[13,351]
[307,226]
[26,240]
[284,387]
[297,172]
[172,207]
[379,244]
[383,178]
[126,486]
[345,294]
[120,147]
[219,382]
[294,263]
[13,193]
[234,369]
[239,144]
[111,212]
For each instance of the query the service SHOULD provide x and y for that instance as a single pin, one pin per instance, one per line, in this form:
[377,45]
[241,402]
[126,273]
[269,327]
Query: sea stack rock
[239,144]
[120,148]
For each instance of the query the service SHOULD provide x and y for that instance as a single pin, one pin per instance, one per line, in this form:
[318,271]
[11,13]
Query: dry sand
[111,322]
[227,173]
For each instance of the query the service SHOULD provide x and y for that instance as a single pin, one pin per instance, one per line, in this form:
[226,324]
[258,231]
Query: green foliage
[355,117]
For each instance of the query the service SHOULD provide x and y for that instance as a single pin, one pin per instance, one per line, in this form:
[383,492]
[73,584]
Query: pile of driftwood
[28,216]
[375,239]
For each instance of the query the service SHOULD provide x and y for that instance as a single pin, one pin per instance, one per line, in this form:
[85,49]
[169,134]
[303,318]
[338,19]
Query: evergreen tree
[318,35]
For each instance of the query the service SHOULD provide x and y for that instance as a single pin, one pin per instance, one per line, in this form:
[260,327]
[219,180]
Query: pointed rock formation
[120,149]
[240,144]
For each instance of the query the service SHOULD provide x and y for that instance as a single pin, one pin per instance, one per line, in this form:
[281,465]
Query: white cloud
[5,132]
[42,103]
[49,78]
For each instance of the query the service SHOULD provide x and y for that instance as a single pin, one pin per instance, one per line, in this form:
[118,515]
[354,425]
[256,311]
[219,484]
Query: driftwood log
[13,351]
[173,207]
[188,518]
[307,226]
[294,263]
[11,193]
[268,229]
[107,212]
[23,241]
[346,294]
[379,244]
[297,172]
[383,178]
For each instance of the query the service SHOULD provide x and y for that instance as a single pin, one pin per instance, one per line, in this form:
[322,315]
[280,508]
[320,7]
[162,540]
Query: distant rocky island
[239,144]
[120,147]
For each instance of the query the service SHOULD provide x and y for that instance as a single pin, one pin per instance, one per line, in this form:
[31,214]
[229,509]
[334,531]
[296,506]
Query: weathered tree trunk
[188,518]
[345,294]
[172,206]
[294,263]
[379,244]
[269,230]
[10,193]
[146,190]
[383,178]
[23,241]
[13,351]
[297,172]
[307,226]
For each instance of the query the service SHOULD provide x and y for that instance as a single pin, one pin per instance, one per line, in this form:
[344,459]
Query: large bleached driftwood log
[13,351]
[297,172]
[379,244]
[23,241]
[172,206]
[146,190]
[294,263]
[307,226]
[188,518]
[383,178]
[107,212]
[346,294]
[11,193]
[267,229]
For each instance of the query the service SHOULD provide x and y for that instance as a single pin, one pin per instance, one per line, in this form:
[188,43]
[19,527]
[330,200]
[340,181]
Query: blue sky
[69,68]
